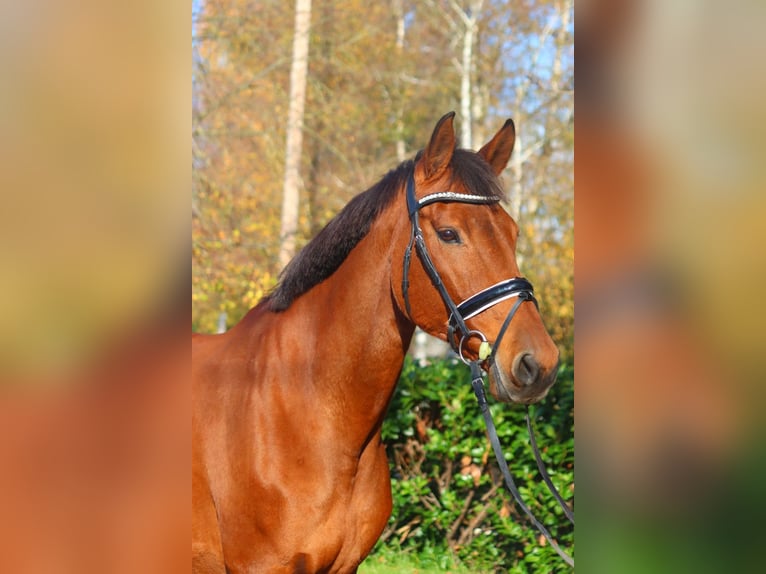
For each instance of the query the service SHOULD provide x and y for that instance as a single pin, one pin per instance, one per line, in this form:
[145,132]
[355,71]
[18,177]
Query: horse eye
[448,235]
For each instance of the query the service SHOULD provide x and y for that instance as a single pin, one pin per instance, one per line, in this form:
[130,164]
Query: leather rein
[515,287]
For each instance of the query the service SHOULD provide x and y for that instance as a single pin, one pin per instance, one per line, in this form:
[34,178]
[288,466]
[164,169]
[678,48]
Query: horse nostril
[526,369]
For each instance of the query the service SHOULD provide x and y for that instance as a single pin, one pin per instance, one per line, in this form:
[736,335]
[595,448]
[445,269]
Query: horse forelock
[322,256]
[475,174]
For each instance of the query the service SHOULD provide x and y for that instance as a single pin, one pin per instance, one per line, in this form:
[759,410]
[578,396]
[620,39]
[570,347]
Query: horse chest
[313,520]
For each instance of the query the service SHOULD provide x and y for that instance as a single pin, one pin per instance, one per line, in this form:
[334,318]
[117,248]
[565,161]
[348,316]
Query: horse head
[456,274]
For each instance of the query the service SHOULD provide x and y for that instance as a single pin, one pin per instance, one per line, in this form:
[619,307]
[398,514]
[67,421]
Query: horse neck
[354,338]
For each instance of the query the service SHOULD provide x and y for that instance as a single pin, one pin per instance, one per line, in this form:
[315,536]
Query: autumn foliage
[379,75]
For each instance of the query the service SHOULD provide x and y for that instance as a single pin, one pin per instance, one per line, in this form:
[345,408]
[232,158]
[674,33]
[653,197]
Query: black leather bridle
[458,315]
[474,305]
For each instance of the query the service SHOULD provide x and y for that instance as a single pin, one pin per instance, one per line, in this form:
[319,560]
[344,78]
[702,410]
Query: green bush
[450,503]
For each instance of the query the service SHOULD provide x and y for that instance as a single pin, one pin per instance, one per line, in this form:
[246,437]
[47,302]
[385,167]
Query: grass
[391,562]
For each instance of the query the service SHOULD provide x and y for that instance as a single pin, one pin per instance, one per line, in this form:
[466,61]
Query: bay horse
[289,473]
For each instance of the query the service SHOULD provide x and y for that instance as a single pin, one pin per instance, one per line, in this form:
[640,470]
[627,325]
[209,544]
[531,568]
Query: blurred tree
[298,72]
[380,74]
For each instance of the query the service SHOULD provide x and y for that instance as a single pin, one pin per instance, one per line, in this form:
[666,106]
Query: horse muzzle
[526,382]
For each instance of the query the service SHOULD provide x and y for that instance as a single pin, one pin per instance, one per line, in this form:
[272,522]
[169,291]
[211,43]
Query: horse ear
[438,153]
[498,150]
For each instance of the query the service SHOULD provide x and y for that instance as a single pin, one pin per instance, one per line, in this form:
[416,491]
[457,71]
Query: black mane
[321,257]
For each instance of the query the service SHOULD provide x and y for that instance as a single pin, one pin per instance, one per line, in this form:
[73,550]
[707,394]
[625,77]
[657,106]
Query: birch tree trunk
[465,83]
[401,151]
[298,72]
[468,17]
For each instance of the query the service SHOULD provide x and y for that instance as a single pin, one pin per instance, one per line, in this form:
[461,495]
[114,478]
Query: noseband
[458,315]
